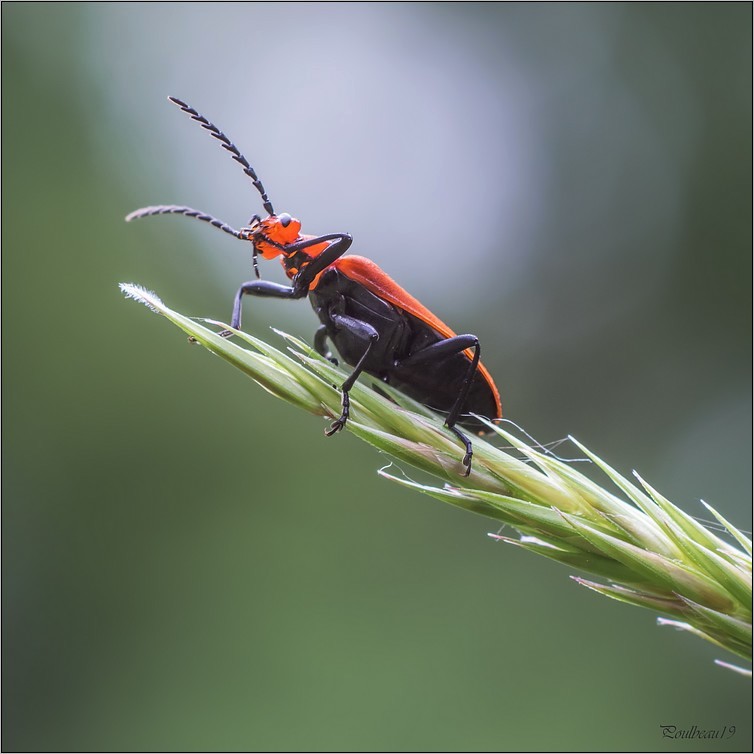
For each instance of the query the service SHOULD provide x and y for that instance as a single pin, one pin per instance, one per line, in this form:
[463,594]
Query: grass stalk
[645,550]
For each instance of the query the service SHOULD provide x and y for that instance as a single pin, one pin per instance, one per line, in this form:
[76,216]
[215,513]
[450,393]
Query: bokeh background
[190,564]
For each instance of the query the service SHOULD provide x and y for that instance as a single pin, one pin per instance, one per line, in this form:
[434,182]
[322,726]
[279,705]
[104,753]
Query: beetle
[375,325]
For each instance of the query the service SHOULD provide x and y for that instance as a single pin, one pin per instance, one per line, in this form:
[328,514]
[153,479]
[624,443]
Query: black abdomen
[435,384]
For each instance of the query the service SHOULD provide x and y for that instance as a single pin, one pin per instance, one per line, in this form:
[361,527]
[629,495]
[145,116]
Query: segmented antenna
[228,146]
[171,209]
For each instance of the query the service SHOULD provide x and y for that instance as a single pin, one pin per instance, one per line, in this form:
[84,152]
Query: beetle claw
[336,426]
[340,422]
[467,463]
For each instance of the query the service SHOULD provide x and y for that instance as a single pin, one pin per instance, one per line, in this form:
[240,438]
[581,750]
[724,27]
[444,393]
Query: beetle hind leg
[340,422]
[469,450]
[431,354]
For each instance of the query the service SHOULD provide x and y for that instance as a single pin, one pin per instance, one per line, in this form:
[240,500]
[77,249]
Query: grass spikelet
[648,551]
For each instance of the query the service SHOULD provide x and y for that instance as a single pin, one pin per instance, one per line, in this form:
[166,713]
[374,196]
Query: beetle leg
[449,347]
[363,331]
[466,461]
[300,288]
[339,245]
[264,288]
[320,344]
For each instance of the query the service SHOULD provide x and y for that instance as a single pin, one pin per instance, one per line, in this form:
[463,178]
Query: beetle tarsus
[469,450]
[340,422]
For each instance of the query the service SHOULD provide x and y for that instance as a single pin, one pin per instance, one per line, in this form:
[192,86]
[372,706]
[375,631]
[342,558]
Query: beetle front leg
[264,288]
[362,331]
[339,243]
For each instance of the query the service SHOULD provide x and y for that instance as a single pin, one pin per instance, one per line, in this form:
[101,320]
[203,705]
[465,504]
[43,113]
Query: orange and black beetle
[376,326]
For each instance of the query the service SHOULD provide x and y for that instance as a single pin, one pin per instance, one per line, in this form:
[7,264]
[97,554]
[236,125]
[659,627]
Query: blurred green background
[190,564]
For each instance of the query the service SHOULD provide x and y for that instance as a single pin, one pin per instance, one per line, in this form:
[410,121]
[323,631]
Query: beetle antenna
[228,146]
[171,209]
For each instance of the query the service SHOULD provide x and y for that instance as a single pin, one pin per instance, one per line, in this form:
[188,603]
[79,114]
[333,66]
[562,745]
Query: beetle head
[271,235]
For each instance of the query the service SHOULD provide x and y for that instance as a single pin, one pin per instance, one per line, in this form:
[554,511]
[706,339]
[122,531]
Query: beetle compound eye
[285,219]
